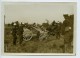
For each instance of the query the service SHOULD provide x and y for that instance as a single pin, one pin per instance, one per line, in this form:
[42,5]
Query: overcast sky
[36,12]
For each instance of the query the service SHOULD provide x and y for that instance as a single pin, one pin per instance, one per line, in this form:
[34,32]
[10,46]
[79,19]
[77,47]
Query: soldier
[67,32]
[14,31]
[58,30]
[21,33]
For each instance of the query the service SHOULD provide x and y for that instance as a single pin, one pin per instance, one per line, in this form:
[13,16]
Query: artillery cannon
[28,34]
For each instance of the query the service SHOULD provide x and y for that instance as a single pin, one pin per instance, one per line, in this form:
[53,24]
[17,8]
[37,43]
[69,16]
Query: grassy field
[50,45]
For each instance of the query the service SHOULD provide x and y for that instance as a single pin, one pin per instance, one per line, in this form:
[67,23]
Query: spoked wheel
[27,38]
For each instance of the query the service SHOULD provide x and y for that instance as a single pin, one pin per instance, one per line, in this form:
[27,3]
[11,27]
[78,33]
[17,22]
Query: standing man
[21,33]
[67,32]
[58,29]
[14,31]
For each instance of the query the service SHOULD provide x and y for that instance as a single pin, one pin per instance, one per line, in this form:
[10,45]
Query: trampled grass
[50,45]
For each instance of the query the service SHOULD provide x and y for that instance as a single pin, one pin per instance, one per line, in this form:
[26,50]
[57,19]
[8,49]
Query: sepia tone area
[45,32]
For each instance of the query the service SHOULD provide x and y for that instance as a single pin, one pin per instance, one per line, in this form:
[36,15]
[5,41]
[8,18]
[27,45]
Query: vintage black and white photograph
[39,27]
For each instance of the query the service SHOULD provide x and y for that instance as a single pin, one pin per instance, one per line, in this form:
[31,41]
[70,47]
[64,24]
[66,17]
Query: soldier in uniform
[67,32]
[21,33]
[58,30]
[14,31]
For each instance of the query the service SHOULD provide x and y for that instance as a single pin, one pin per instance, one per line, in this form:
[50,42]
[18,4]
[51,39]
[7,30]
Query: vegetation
[49,45]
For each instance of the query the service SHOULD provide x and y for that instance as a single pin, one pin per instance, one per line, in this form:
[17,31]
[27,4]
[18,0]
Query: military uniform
[67,32]
[14,31]
[21,34]
[58,29]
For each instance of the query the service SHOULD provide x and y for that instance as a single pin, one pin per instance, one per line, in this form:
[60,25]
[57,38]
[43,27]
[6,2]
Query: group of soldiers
[17,31]
[57,29]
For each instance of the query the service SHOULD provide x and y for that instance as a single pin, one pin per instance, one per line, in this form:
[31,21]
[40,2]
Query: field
[50,45]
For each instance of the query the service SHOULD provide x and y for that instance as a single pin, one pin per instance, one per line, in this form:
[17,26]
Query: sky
[36,12]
